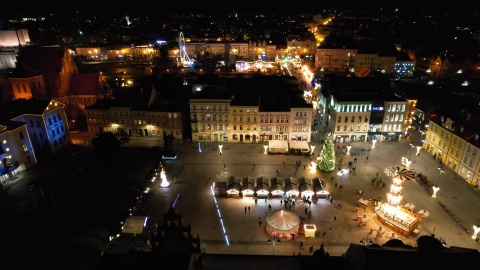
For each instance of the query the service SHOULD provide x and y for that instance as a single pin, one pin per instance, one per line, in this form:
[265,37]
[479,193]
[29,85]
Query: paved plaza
[225,228]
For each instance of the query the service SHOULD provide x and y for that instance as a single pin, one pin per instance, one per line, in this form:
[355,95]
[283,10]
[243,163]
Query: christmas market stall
[262,187]
[291,187]
[248,186]
[276,187]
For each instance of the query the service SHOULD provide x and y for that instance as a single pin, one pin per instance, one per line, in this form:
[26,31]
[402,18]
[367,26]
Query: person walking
[259,221]
[269,207]
[301,245]
[249,209]
[254,165]
[245,209]
[335,218]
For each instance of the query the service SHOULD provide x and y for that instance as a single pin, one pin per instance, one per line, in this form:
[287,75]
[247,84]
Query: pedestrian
[269,207]
[336,185]
[331,200]
[301,245]
[259,221]
[224,166]
[304,167]
[249,209]
[254,165]
[277,172]
[255,201]
[367,157]
[265,200]
[310,249]
[335,218]
[281,201]
[245,209]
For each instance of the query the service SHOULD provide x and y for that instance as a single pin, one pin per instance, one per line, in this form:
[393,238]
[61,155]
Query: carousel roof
[283,220]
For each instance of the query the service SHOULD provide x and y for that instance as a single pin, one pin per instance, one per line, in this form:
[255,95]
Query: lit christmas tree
[326,160]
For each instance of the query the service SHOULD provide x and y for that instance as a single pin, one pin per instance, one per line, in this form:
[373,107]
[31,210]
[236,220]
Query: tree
[122,137]
[105,141]
[326,162]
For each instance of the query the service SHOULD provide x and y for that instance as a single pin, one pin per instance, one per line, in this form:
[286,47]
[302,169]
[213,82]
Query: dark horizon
[267,7]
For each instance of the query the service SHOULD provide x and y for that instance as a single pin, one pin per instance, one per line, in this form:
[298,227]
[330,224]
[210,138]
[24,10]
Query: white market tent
[134,225]
[278,146]
[282,224]
[299,145]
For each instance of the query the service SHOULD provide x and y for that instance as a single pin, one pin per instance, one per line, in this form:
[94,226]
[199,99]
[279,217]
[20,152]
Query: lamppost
[436,188]
[273,243]
[410,156]
[36,203]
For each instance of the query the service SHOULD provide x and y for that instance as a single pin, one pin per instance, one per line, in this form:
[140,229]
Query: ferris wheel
[184,59]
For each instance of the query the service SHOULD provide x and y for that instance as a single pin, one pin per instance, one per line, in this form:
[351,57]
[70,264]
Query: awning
[299,145]
[278,146]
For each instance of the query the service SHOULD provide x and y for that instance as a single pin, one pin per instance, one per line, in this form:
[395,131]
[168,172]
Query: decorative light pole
[163,177]
[311,149]
[273,243]
[436,188]
[373,143]
[476,230]
[265,147]
[220,146]
[348,149]
[418,150]
[410,156]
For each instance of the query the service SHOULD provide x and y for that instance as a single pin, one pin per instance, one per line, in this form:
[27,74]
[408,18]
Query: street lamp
[410,156]
[436,188]
[273,243]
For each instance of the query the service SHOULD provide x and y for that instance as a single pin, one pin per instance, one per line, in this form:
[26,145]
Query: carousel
[282,224]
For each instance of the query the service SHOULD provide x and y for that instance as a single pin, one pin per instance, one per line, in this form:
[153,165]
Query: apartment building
[209,117]
[243,122]
[148,124]
[30,131]
[455,142]
[16,152]
[362,109]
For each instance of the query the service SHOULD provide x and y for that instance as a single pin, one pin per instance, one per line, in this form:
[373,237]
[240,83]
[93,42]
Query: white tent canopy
[299,145]
[283,221]
[277,146]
